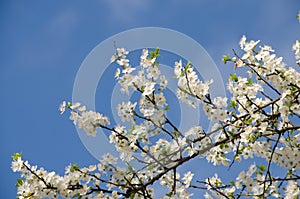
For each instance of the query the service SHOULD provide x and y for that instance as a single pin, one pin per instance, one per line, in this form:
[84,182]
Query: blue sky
[43,44]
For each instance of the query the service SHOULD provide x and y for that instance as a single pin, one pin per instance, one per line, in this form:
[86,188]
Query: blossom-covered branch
[259,120]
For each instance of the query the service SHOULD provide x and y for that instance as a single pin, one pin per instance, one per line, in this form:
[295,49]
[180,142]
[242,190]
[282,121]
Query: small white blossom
[123,62]
[178,68]
[149,88]
[126,111]
[113,58]
[296,48]
[292,190]
[17,165]
[62,107]
[163,82]
[187,179]
[75,105]
[117,73]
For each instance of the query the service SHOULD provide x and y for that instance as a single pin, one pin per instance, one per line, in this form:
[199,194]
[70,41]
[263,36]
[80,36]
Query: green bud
[225,58]
[16,156]
[74,167]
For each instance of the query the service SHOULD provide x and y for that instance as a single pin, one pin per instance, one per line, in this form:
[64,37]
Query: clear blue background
[43,43]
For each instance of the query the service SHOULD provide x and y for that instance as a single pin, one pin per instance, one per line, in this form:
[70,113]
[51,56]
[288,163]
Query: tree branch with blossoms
[260,120]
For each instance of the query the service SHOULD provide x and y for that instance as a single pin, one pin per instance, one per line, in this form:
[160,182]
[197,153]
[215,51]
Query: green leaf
[155,53]
[233,104]
[176,133]
[77,195]
[16,156]
[132,195]
[232,182]
[261,168]
[188,65]
[233,77]
[225,58]
[249,82]
[167,108]
[169,194]
[230,195]
[293,89]
[19,182]
[74,167]
[249,121]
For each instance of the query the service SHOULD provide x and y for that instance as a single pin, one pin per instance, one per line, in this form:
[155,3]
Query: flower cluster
[191,89]
[86,120]
[260,119]
[77,182]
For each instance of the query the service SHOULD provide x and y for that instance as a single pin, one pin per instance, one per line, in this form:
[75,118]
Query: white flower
[145,61]
[194,132]
[121,52]
[108,159]
[163,82]
[220,102]
[17,165]
[113,58]
[82,108]
[75,105]
[187,179]
[62,107]
[26,189]
[247,132]
[160,99]
[178,68]
[128,70]
[126,82]
[144,54]
[123,62]
[250,45]
[153,72]
[126,111]
[251,170]
[115,195]
[117,74]
[296,48]
[159,118]
[92,168]
[247,46]
[147,112]
[292,190]
[214,181]
[242,41]
[149,88]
